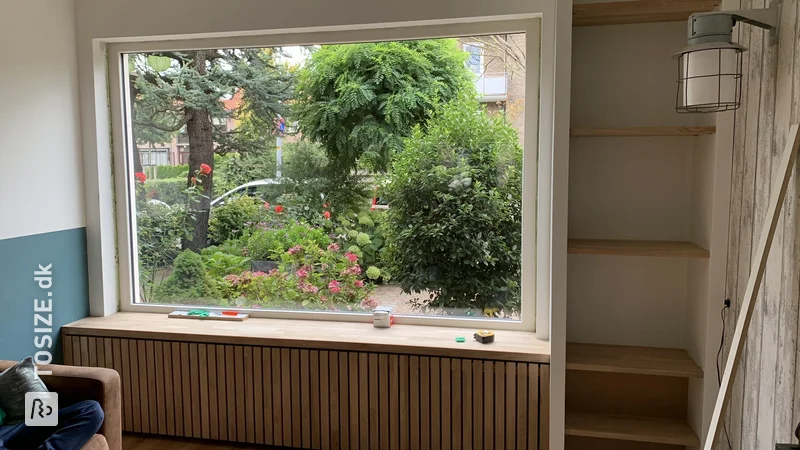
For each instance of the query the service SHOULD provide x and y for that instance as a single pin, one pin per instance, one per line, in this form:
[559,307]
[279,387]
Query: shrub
[166,172]
[159,232]
[454,226]
[271,243]
[365,234]
[188,280]
[237,169]
[167,190]
[230,220]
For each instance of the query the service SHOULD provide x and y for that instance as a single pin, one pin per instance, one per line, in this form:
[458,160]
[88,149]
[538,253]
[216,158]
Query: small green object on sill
[202,313]
[461,339]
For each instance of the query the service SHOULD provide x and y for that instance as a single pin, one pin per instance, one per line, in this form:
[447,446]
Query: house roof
[234,102]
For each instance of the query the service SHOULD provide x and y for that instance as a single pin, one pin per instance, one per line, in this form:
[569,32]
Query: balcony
[492,87]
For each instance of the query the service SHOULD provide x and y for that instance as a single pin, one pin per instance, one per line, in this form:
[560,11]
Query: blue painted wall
[19,258]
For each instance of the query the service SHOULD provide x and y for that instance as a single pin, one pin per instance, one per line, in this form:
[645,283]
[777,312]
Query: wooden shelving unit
[643,132]
[639,429]
[638,11]
[633,360]
[677,249]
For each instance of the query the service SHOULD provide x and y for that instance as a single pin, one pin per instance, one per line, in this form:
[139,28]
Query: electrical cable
[719,372]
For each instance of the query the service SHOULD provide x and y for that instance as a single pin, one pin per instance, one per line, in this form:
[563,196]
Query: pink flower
[359,283]
[333,286]
[355,270]
[323,299]
[302,273]
[295,250]
[369,303]
[266,205]
[333,247]
[352,257]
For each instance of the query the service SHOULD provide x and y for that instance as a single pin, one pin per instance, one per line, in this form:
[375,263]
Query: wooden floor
[145,442]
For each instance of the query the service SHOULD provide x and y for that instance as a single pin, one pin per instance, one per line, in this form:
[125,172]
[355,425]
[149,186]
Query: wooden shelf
[636,360]
[636,248]
[657,431]
[519,346]
[638,11]
[642,131]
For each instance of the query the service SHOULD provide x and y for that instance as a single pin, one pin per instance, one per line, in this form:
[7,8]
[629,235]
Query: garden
[395,123]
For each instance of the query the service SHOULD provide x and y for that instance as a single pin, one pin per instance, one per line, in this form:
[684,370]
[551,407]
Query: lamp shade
[709,78]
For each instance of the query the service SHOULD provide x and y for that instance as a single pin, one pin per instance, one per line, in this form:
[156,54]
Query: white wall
[41,182]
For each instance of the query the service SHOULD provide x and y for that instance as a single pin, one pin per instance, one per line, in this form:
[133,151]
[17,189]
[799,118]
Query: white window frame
[482,68]
[537,176]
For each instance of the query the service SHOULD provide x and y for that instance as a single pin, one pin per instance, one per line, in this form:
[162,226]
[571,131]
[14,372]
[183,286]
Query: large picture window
[332,178]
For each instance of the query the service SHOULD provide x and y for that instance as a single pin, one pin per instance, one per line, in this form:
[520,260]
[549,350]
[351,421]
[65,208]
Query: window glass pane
[345,177]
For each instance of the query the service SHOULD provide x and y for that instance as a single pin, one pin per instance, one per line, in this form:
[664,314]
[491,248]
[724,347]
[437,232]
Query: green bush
[188,280]
[159,232]
[237,169]
[454,226]
[364,231]
[166,172]
[270,244]
[167,190]
[230,220]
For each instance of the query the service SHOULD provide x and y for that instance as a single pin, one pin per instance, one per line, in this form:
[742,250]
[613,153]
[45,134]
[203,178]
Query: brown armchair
[74,384]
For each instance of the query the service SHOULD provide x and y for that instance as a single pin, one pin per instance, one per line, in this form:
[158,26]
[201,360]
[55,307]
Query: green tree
[176,91]
[360,100]
[454,226]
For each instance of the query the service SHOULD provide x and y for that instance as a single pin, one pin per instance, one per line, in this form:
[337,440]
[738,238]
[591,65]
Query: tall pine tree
[175,91]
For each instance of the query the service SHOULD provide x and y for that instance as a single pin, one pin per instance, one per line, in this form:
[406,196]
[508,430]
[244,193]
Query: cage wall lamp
[710,68]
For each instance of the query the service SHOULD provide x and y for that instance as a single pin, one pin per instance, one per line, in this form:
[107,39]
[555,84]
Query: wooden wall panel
[321,399]
[763,409]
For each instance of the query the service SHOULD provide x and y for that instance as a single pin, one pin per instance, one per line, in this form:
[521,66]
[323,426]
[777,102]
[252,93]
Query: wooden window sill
[519,346]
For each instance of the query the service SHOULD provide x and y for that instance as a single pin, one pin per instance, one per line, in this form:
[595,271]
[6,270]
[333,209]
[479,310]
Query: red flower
[333,286]
[278,209]
[324,205]
[194,180]
[205,169]
[327,214]
[140,177]
[266,205]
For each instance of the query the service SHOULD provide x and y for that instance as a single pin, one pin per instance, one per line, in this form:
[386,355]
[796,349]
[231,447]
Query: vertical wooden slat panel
[334,401]
[269,404]
[152,407]
[544,407]
[353,374]
[522,406]
[533,406]
[144,384]
[133,354]
[424,403]
[457,396]
[258,395]
[169,390]
[297,426]
[277,405]
[499,405]
[344,402]
[241,394]
[315,377]
[466,404]
[205,406]
[436,410]
[488,403]
[186,388]
[249,397]
[286,396]
[222,393]
[413,377]
[121,346]
[325,397]
[196,408]
[101,353]
[91,349]
[230,388]
[177,388]
[213,388]
[405,411]
[477,404]
[305,399]
[446,404]
[67,345]
[374,411]
[511,406]
[76,351]
[394,404]
[383,400]
[363,400]
[161,407]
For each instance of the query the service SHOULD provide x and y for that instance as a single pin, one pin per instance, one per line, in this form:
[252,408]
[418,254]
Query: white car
[248,188]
